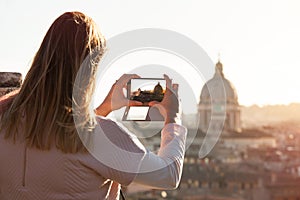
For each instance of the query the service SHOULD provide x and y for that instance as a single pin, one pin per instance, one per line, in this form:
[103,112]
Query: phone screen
[146,89]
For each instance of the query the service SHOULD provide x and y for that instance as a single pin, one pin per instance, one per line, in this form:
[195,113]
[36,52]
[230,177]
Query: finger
[134,103]
[169,89]
[168,81]
[175,88]
[153,103]
[126,77]
[159,106]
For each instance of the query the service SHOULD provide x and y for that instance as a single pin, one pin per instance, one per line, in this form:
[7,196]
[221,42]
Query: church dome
[158,89]
[220,87]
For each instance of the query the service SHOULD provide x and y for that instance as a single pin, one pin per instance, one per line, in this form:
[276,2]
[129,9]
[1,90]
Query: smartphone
[146,89]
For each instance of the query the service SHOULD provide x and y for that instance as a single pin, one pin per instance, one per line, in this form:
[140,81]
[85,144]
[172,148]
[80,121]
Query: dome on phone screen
[158,89]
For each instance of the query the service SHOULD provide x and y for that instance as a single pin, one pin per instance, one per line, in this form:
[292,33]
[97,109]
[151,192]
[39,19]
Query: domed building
[158,90]
[218,106]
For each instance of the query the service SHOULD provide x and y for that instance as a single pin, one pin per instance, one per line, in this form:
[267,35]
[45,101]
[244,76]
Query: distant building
[219,95]
[219,109]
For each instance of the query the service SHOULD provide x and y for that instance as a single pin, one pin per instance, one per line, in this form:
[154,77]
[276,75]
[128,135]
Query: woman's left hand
[116,99]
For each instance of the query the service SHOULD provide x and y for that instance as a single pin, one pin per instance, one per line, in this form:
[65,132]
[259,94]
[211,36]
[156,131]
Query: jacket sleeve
[163,171]
[124,159]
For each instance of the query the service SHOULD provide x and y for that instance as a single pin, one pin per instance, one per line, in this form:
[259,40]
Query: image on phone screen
[144,90]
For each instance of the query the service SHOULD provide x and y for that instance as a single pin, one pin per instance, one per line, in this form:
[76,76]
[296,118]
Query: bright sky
[258,40]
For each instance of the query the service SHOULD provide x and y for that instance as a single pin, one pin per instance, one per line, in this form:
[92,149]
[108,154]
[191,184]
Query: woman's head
[67,43]
[45,99]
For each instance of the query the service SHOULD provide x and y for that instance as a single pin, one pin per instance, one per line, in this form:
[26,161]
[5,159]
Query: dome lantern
[219,69]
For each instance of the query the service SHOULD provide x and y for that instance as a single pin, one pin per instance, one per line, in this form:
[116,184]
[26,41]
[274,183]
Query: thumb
[134,103]
[159,106]
[153,103]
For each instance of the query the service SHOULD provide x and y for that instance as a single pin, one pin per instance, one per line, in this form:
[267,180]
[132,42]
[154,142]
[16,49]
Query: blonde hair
[42,109]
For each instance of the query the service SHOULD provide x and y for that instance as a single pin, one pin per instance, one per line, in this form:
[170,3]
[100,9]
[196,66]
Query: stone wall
[9,81]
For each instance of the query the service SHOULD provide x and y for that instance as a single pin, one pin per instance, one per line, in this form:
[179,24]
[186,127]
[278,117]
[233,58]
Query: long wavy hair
[41,110]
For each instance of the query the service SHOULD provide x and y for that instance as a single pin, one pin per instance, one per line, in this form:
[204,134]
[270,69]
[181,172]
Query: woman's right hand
[169,107]
[115,98]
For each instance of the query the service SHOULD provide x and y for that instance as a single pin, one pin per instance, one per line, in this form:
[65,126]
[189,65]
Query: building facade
[219,98]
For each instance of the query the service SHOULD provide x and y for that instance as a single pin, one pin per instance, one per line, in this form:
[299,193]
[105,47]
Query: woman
[41,154]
